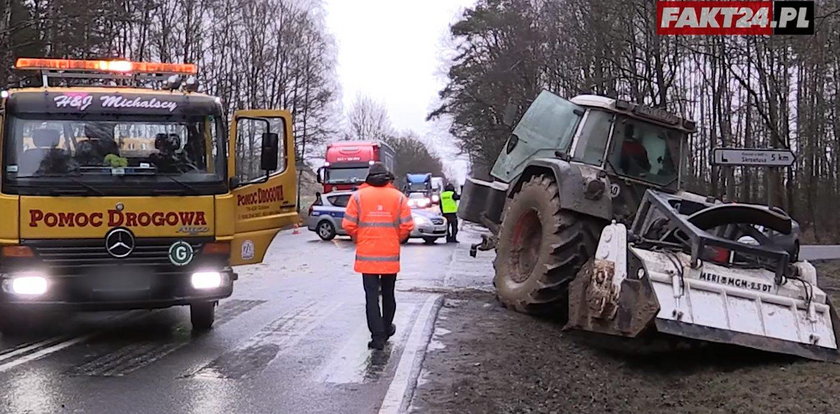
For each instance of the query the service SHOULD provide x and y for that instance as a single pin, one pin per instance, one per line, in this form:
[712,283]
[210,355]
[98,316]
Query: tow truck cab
[131,196]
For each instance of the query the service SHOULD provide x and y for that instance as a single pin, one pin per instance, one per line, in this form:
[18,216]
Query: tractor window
[645,151]
[594,134]
[546,129]
[550,122]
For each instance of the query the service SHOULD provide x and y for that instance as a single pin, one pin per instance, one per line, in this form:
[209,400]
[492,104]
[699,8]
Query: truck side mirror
[509,116]
[269,157]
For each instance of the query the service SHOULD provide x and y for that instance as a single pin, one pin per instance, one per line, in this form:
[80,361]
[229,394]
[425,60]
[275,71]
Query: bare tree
[368,120]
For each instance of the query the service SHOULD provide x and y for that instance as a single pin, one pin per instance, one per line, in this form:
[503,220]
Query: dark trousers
[452,229]
[379,322]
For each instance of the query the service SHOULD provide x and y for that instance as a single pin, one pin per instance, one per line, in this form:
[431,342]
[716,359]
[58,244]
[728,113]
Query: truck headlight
[206,280]
[29,285]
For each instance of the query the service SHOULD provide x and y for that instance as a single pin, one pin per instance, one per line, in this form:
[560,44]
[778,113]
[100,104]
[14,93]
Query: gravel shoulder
[485,358]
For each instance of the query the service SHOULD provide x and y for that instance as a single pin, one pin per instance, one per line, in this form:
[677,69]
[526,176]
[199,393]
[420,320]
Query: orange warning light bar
[118,66]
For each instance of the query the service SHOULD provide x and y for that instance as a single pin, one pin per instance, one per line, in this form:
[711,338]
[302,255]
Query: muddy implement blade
[742,307]
[723,336]
[603,299]
[632,291]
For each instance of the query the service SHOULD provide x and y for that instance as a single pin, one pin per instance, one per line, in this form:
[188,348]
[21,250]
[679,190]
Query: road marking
[44,352]
[401,388]
[353,364]
[37,350]
[29,347]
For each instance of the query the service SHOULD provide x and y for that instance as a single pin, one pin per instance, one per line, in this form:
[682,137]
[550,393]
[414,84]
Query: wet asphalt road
[292,338]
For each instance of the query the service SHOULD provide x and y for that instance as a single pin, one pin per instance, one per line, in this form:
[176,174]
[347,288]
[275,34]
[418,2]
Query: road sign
[753,157]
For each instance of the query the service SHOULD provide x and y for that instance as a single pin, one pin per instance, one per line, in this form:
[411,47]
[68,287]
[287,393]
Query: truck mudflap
[632,292]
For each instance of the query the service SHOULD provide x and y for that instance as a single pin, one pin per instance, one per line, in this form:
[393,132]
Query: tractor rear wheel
[540,249]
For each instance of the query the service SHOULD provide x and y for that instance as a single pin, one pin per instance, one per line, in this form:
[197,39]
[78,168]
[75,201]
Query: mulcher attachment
[711,272]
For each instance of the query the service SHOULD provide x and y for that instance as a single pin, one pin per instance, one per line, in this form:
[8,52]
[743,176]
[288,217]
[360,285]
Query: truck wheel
[430,240]
[326,231]
[540,249]
[202,315]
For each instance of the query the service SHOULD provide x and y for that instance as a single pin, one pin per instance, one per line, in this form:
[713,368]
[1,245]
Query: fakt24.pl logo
[713,17]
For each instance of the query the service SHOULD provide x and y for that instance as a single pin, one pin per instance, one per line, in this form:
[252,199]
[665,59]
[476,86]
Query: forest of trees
[263,54]
[252,54]
[743,91]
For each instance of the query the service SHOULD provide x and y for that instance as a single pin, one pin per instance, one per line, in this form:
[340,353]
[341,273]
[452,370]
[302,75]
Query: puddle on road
[240,362]
[354,363]
[280,336]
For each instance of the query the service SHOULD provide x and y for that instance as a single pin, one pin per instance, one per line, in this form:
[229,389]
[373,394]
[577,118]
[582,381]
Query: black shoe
[378,345]
[392,331]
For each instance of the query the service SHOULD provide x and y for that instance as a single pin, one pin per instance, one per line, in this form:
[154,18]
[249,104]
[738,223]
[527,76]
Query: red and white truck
[347,162]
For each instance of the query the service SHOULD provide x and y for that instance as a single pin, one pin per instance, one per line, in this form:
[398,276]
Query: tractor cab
[630,141]
[636,146]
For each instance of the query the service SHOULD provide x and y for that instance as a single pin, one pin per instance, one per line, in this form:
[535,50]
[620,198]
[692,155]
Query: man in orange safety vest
[378,219]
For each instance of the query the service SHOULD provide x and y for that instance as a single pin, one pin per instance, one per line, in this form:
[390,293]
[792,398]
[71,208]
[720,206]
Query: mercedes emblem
[119,242]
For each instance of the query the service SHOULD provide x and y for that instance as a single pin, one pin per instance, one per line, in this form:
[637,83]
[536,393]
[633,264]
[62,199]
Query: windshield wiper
[75,180]
[194,190]
[86,185]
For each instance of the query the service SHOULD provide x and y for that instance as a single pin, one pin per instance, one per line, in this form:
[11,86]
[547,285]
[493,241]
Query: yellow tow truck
[122,190]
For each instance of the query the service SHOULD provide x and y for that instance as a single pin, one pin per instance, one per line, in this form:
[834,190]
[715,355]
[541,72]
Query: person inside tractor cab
[634,155]
[168,159]
[46,158]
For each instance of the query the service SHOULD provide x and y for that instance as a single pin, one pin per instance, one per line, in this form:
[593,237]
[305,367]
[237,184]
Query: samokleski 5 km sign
[753,157]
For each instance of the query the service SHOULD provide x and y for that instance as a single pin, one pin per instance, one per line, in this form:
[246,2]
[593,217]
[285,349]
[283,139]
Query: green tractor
[589,224]
[567,170]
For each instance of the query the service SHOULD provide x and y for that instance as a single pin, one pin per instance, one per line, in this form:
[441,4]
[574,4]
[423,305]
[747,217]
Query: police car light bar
[115,66]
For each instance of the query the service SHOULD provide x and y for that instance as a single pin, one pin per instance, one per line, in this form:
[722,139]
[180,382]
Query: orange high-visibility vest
[378,218]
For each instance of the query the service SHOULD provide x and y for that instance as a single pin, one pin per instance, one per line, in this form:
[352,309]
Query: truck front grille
[68,257]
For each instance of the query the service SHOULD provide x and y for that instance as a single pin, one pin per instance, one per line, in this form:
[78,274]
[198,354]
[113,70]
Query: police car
[326,213]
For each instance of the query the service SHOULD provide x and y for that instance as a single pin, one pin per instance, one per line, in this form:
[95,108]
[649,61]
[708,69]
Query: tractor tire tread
[571,242]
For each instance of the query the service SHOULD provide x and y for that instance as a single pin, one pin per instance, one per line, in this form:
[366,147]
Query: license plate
[122,283]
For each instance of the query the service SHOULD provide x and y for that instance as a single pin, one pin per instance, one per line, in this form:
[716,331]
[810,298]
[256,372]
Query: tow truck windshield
[82,151]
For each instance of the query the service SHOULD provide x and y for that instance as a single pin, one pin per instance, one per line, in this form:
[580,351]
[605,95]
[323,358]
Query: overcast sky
[392,51]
